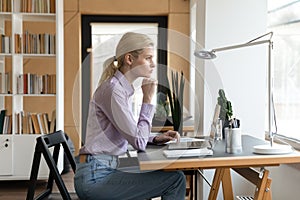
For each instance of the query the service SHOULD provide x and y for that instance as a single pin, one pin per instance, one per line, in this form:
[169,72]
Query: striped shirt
[111,124]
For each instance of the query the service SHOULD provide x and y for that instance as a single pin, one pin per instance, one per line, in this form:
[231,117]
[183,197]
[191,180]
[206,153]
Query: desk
[153,159]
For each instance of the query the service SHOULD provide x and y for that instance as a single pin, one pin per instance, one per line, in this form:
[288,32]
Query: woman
[111,126]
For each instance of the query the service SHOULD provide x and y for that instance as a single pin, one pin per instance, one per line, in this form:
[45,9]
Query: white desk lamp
[261,149]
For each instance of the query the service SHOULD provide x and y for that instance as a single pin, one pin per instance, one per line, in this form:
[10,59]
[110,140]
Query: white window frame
[284,21]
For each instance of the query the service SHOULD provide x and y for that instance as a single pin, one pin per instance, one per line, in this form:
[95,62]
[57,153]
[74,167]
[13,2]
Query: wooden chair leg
[263,184]
[263,190]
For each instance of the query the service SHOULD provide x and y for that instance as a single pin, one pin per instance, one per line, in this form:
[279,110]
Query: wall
[240,72]
[178,15]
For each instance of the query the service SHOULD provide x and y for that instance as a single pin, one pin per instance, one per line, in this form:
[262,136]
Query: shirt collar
[124,82]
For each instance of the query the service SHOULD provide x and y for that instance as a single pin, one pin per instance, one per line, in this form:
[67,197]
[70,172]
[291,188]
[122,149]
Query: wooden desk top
[154,159]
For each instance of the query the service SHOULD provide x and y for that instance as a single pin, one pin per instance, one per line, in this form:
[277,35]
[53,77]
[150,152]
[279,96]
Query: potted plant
[225,110]
[175,95]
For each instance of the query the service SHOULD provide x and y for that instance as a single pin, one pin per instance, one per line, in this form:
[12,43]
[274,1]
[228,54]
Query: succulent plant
[226,108]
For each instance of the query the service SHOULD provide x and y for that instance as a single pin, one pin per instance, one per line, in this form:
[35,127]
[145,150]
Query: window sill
[285,140]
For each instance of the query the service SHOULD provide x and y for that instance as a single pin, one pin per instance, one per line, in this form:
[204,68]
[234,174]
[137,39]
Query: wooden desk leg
[221,174]
[227,185]
[216,184]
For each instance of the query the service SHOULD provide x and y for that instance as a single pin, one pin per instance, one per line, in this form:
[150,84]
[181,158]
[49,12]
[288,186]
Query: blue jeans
[99,179]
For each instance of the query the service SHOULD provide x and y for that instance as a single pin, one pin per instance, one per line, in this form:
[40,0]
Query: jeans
[100,179]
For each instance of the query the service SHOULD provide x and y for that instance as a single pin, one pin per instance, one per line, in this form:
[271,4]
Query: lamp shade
[205,54]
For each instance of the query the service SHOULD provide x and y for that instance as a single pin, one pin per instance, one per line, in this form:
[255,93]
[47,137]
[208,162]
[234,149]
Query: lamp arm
[241,45]
[270,94]
[270,33]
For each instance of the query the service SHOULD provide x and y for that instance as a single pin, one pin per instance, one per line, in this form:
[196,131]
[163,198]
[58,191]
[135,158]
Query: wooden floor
[17,190]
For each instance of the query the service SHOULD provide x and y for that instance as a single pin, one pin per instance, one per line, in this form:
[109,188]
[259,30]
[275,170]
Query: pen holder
[233,137]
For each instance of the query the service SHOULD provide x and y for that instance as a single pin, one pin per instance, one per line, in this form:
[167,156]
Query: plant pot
[224,125]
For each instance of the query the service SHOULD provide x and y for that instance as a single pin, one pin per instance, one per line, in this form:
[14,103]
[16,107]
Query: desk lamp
[260,149]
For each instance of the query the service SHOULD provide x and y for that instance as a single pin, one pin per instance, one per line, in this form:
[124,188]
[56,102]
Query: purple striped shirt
[111,124]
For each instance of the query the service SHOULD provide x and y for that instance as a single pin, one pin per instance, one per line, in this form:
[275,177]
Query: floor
[17,190]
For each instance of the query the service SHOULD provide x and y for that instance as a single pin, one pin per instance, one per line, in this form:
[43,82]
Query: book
[41,123]
[5,124]
[2,116]
[9,129]
[46,122]
[19,122]
[52,6]
[53,121]
[25,124]
[35,123]
[30,124]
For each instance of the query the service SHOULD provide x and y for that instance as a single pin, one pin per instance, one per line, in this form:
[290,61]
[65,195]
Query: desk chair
[43,143]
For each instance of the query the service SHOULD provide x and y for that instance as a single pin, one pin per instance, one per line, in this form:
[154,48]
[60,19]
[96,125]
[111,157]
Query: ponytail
[109,70]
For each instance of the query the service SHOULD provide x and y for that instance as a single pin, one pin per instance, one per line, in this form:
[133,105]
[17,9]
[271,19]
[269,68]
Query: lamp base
[275,149]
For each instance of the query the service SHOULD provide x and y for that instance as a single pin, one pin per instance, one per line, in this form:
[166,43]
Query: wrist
[154,141]
[146,100]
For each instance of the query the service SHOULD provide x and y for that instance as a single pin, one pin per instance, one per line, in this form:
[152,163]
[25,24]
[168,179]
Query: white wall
[285,182]
[242,74]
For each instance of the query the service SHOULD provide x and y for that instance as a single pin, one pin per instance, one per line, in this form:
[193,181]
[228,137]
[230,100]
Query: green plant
[226,108]
[176,99]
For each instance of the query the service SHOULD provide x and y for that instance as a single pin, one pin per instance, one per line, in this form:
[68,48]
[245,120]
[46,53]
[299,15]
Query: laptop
[190,147]
[192,143]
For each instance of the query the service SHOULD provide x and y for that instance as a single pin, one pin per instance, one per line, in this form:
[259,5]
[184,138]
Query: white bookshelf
[16,149]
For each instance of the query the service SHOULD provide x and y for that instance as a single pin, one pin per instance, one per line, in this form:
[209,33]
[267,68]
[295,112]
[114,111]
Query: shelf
[29,95]
[6,95]
[35,95]
[36,16]
[23,113]
[5,55]
[29,55]
[6,15]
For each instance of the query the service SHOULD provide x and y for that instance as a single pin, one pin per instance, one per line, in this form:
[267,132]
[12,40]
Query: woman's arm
[119,111]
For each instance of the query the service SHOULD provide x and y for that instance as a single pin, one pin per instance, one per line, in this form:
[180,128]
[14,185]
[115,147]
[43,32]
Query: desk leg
[227,185]
[221,174]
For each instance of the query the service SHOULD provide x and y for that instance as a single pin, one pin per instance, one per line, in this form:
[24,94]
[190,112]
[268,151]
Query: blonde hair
[130,42]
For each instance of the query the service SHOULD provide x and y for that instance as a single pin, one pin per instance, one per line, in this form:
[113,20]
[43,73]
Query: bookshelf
[31,81]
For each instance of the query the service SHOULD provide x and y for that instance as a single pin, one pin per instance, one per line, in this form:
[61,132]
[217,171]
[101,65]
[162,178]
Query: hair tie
[115,61]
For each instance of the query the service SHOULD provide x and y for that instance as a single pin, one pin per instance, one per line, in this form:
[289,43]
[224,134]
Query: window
[284,21]
[86,43]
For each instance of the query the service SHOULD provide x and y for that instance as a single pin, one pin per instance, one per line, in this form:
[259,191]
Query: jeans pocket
[101,169]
